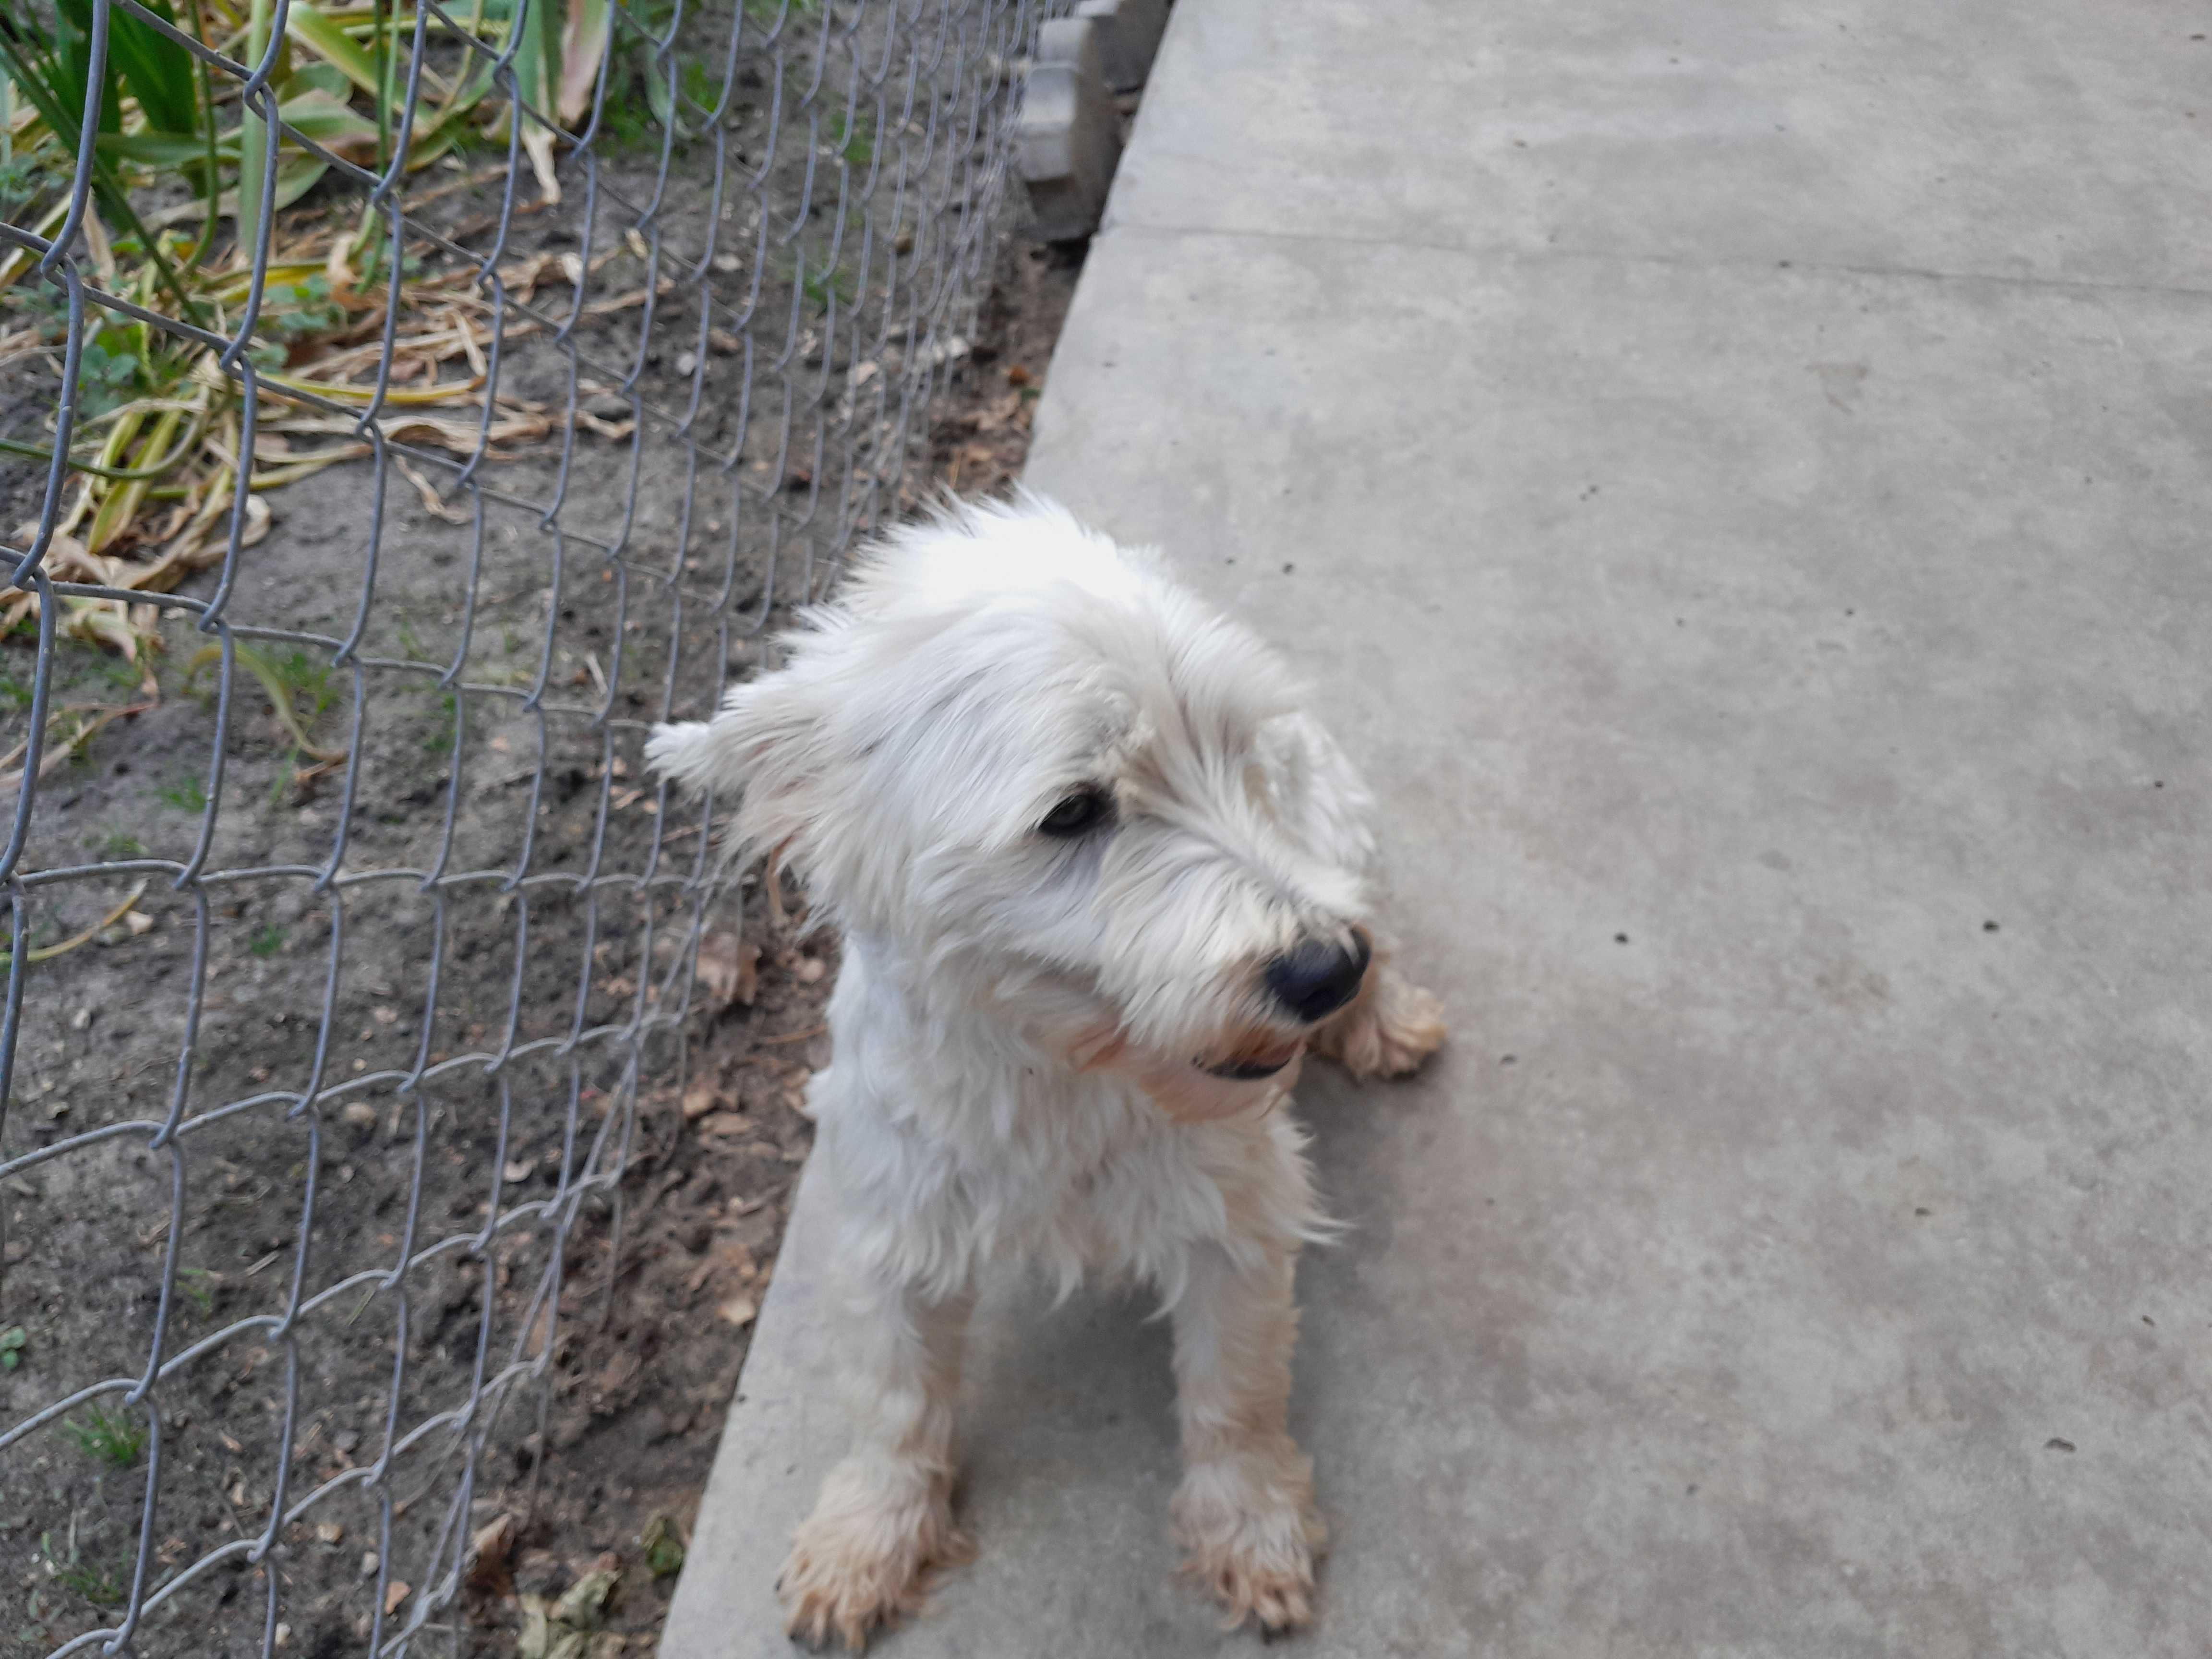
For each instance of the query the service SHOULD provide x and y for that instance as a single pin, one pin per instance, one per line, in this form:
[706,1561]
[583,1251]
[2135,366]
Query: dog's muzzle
[1246,1071]
[1256,1061]
[1310,982]
[1317,976]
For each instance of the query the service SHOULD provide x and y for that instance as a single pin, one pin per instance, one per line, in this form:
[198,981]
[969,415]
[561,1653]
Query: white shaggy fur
[1029,1026]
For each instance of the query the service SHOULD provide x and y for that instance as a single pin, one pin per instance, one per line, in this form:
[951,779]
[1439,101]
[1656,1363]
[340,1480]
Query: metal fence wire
[564,344]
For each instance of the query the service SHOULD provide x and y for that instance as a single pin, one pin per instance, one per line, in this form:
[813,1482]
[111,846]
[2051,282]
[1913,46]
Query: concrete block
[1068,142]
[1133,29]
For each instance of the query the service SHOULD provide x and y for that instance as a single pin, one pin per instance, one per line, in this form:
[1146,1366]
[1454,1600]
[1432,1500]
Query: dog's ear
[766,742]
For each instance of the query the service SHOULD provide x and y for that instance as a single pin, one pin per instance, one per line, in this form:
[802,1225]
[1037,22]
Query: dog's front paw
[1251,1535]
[866,1556]
[1388,1031]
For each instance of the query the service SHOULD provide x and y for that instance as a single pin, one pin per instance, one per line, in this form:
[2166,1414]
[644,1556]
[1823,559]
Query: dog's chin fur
[1058,1050]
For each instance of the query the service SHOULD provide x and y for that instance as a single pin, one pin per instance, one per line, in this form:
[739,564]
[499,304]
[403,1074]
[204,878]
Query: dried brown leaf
[584,1602]
[728,969]
[433,502]
[488,1552]
[618,1374]
[738,1310]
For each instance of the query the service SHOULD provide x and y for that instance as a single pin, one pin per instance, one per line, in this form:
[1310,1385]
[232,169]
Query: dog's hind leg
[1386,1031]
[1244,1514]
[884,1520]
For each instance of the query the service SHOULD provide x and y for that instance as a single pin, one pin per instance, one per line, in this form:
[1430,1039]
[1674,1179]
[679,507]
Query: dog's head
[1051,782]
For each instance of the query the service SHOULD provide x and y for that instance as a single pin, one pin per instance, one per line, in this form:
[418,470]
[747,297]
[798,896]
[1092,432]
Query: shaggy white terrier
[1102,885]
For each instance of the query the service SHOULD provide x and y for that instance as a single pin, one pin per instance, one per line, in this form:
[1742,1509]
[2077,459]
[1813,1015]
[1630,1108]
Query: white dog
[1101,886]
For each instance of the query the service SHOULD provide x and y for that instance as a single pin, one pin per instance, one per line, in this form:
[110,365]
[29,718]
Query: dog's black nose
[1318,976]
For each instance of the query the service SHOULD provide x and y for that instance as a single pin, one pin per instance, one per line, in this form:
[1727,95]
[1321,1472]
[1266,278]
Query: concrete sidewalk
[1740,475]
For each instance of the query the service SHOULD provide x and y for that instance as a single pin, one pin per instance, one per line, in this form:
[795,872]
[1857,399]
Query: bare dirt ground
[579,1516]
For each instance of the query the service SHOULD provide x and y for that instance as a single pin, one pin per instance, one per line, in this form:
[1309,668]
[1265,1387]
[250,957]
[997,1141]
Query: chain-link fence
[404,405]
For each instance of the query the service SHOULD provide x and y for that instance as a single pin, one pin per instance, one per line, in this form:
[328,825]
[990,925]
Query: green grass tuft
[186,794]
[111,1437]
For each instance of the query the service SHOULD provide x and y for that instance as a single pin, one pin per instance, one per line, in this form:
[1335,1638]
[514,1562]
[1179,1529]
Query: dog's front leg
[1388,1030]
[885,1517]
[1244,1514]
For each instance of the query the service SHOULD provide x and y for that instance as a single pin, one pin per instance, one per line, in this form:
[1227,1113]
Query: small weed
[305,680]
[664,1548]
[108,374]
[268,942]
[856,142]
[821,284]
[16,693]
[628,121]
[198,1286]
[441,740]
[123,676]
[294,311]
[96,1584]
[117,845]
[27,175]
[69,1569]
[109,1435]
[700,85]
[13,1341]
[184,794]
[624,124]
[298,686]
[375,264]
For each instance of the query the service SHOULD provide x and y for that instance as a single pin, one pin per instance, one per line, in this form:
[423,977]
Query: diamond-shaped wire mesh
[346,932]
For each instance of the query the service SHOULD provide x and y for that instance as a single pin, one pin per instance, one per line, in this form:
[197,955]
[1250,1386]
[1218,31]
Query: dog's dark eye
[1077,814]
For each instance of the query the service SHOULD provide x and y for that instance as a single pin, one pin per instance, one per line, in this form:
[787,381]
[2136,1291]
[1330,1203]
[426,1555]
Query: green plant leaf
[329,121]
[314,113]
[537,81]
[660,100]
[51,71]
[664,1548]
[537,58]
[73,60]
[583,44]
[321,75]
[330,43]
[256,142]
[296,175]
[161,151]
[442,129]
[157,69]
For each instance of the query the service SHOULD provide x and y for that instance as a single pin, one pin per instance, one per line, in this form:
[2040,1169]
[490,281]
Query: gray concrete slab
[1731,645]
[1796,629]
[1989,137]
